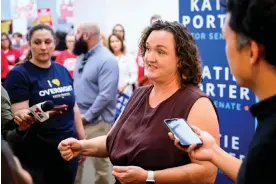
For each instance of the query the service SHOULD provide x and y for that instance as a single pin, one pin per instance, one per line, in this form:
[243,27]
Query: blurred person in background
[104,40]
[11,169]
[60,43]
[96,82]
[11,53]
[155,18]
[4,66]
[66,57]
[119,30]
[36,80]
[249,31]
[17,39]
[8,126]
[138,144]
[127,71]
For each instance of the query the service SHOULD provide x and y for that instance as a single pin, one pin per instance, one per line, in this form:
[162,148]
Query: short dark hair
[17,34]
[121,40]
[32,31]
[255,20]
[189,66]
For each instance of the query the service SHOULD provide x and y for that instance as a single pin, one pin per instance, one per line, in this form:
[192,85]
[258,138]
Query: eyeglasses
[84,60]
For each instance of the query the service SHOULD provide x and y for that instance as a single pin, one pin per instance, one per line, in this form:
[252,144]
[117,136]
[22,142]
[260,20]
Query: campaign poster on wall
[6,26]
[65,10]
[45,16]
[205,19]
[23,12]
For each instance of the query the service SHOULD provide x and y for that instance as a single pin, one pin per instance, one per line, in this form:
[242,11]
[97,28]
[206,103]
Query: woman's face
[118,30]
[5,42]
[42,45]
[160,56]
[115,44]
[70,42]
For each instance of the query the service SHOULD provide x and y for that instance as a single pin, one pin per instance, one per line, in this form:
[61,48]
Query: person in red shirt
[66,57]
[11,53]
[4,66]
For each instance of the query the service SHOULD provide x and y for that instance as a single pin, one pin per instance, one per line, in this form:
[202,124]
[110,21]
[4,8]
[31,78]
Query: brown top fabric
[140,137]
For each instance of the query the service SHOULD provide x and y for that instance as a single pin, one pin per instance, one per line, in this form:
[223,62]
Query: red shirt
[140,64]
[68,60]
[4,65]
[12,55]
[24,48]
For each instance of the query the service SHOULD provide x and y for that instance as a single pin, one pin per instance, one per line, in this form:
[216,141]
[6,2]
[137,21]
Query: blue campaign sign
[205,18]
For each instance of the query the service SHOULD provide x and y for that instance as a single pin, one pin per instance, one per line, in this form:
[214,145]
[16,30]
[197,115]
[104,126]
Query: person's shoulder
[61,69]
[129,56]
[20,68]
[15,50]
[143,89]
[58,66]
[190,88]
[106,54]
[4,94]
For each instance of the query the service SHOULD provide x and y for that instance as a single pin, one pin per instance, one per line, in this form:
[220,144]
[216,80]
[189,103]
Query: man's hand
[23,120]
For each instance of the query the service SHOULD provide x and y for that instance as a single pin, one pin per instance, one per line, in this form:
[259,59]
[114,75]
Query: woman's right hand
[205,152]
[70,148]
[23,120]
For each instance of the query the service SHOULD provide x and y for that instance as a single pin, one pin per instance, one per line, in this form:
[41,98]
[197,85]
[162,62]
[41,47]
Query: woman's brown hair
[8,38]
[189,66]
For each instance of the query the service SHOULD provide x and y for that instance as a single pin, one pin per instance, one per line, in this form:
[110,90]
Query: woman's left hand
[130,174]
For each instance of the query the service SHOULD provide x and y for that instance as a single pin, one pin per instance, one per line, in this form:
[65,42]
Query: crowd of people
[115,103]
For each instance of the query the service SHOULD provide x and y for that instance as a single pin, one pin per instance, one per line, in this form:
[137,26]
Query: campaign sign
[205,19]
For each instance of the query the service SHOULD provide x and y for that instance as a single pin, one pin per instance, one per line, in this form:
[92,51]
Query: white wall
[90,11]
[134,15]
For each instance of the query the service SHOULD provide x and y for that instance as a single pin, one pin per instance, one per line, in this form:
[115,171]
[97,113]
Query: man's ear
[255,52]
[85,36]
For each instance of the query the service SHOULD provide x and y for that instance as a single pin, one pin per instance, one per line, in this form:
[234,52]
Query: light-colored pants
[101,165]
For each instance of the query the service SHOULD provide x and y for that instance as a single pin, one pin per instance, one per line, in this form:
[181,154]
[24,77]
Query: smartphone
[181,129]
[60,107]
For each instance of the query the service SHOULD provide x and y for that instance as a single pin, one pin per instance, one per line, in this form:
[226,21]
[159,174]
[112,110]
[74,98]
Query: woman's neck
[44,64]
[166,88]
[118,53]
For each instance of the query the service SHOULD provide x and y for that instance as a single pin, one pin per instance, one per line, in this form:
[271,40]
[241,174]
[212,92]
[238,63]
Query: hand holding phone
[60,107]
[181,129]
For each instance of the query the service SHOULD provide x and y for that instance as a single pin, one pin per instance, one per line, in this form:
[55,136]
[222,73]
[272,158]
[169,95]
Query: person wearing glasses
[11,53]
[96,79]
[249,31]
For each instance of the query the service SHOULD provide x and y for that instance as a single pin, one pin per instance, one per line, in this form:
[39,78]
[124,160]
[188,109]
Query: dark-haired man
[249,32]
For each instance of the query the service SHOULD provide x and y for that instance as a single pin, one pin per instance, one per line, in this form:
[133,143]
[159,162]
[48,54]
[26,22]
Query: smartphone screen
[180,128]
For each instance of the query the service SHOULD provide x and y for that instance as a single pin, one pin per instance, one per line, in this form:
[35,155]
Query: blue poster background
[204,18]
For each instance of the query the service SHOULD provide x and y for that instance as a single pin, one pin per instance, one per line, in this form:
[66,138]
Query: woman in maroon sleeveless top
[138,144]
